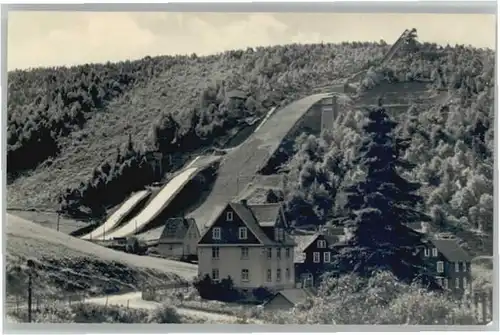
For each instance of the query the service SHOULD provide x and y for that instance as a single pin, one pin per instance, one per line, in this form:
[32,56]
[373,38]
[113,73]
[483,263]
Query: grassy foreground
[66,265]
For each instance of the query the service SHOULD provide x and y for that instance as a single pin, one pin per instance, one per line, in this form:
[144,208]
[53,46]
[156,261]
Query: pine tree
[382,205]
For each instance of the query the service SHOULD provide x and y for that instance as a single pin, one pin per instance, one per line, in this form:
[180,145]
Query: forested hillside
[451,147]
[75,134]
[151,100]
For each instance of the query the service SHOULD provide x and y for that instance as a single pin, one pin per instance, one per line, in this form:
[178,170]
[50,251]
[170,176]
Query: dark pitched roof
[255,218]
[248,218]
[175,229]
[330,239]
[266,214]
[294,295]
[301,241]
[451,250]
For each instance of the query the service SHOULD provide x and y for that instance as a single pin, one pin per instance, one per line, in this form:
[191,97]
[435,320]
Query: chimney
[244,202]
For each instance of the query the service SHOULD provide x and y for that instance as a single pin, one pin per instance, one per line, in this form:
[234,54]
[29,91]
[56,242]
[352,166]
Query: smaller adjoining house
[450,264]
[314,254]
[287,299]
[179,239]
[251,245]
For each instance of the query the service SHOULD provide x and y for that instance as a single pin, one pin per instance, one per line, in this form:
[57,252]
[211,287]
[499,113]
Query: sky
[68,38]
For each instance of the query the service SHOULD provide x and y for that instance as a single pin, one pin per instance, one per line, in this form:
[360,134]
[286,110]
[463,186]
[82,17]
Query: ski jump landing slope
[116,218]
[246,160]
[163,198]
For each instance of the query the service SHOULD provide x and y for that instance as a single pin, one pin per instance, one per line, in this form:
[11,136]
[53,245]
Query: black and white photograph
[263,168]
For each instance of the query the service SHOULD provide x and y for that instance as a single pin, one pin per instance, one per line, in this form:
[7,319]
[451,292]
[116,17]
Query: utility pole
[31,265]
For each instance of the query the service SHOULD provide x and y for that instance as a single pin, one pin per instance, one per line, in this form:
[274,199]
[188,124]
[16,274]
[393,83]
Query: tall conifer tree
[382,206]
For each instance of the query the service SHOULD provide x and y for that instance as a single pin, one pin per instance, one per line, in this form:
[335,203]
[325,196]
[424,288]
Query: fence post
[475,305]
[128,301]
[490,304]
[484,308]
[17,304]
[69,300]
[106,301]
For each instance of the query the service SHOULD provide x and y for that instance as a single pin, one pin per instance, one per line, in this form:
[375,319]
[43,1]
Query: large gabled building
[251,245]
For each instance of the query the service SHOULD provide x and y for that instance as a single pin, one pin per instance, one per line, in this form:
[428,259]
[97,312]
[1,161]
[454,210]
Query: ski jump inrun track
[244,160]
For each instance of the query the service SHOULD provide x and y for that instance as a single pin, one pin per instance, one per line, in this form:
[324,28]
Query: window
[287,274]
[326,256]
[278,275]
[464,280]
[464,265]
[229,216]
[316,257]
[269,275]
[457,267]
[245,275]
[434,252]
[457,282]
[242,233]
[321,244]
[278,253]
[269,253]
[244,253]
[287,252]
[215,274]
[426,252]
[279,234]
[215,252]
[216,233]
[440,267]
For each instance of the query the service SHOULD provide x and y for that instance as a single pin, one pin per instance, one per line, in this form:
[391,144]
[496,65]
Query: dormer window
[321,244]
[242,233]
[216,233]
[279,234]
[434,252]
[426,252]
[229,216]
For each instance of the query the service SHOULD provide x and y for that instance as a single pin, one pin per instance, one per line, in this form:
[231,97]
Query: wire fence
[151,293]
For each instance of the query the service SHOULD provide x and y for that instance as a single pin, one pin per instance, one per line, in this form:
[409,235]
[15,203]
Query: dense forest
[451,147]
[76,134]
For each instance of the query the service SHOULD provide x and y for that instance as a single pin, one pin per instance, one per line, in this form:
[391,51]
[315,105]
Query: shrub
[378,300]
[223,290]
[164,314]
[261,293]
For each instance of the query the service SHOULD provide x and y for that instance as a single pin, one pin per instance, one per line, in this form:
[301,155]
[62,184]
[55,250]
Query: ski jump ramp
[247,159]
[116,218]
[163,198]
[243,161]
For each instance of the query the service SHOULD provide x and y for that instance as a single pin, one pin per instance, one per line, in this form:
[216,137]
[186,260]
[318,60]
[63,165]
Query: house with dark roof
[448,262]
[251,245]
[287,299]
[179,239]
[313,256]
